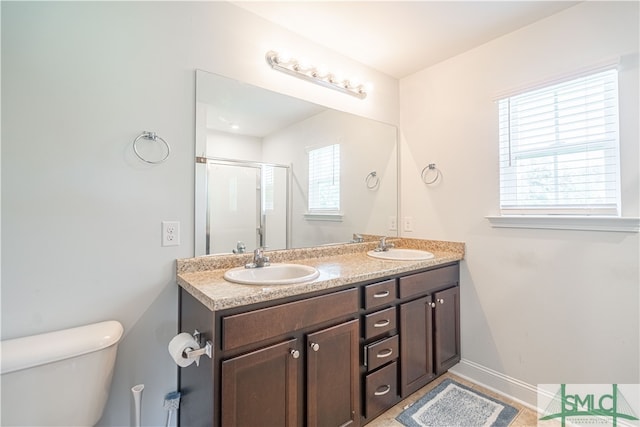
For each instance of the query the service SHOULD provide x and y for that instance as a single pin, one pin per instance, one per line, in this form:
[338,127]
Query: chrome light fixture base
[312,74]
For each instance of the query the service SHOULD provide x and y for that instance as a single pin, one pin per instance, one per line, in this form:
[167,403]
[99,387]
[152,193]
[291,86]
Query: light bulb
[283,57]
[322,72]
[304,65]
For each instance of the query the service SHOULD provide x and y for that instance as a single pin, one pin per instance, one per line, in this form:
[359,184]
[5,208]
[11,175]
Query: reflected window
[324,179]
[267,188]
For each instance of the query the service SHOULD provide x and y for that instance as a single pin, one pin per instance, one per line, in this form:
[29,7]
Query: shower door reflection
[248,203]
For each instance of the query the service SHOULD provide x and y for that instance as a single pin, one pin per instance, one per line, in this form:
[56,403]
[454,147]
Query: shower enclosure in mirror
[247,206]
[280,172]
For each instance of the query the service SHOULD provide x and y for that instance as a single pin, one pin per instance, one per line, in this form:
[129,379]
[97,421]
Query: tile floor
[526,417]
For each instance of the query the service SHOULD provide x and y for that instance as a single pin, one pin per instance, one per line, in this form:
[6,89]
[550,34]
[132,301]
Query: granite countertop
[338,265]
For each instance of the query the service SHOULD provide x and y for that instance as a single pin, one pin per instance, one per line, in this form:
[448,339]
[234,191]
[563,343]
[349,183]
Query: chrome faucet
[383,246]
[240,248]
[259,260]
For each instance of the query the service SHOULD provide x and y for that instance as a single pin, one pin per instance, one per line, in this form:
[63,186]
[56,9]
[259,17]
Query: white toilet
[59,378]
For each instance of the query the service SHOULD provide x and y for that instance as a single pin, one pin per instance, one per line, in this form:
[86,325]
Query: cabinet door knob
[431,304]
[441,300]
[314,346]
[294,353]
[381,391]
[381,323]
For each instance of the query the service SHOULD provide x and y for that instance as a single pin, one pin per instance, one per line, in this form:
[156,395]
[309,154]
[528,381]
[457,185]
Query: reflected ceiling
[249,110]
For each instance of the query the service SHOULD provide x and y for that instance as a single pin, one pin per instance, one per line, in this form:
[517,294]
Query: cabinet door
[447,329]
[261,388]
[333,385]
[416,348]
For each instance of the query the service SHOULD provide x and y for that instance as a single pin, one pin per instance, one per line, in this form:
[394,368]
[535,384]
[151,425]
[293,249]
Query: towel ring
[372,180]
[427,171]
[151,136]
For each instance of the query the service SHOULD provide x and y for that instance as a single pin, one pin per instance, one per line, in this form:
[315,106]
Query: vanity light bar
[312,74]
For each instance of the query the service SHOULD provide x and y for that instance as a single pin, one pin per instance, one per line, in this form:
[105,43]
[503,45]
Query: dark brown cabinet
[334,358]
[416,331]
[310,377]
[261,387]
[381,390]
[333,376]
[446,329]
[429,332]
[380,348]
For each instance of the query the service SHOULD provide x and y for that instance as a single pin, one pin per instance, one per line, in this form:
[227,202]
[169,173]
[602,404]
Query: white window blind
[267,187]
[324,179]
[559,149]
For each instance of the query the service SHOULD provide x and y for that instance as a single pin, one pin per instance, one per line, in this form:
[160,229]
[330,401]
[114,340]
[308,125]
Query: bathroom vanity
[339,350]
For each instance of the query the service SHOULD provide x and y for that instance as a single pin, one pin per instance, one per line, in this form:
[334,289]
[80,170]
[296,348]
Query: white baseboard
[512,388]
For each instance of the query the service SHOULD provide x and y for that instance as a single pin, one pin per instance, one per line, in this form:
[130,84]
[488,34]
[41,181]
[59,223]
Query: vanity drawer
[428,281]
[381,390]
[380,322]
[254,326]
[378,294]
[381,352]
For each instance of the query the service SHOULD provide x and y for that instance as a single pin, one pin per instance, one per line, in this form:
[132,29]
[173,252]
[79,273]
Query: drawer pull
[381,323]
[384,353]
[381,391]
[382,294]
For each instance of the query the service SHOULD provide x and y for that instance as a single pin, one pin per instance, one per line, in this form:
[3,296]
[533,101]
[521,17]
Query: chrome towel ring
[428,176]
[372,180]
[151,136]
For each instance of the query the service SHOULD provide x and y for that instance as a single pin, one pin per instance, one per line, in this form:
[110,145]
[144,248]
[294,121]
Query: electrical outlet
[170,233]
[393,223]
[408,223]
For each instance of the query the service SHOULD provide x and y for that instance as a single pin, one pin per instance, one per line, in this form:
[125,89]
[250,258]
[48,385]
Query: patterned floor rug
[452,404]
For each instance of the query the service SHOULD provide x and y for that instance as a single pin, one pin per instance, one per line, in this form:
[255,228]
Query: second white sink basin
[400,254]
[274,274]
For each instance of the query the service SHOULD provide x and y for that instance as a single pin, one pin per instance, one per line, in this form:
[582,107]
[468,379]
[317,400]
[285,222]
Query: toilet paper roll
[177,347]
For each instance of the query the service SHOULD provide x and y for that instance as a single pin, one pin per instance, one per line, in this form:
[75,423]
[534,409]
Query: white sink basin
[274,274]
[399,254]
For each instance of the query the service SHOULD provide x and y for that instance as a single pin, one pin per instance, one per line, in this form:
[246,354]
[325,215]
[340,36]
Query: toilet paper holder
[207,349]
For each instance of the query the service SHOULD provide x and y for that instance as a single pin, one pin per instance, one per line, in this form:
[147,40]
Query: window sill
[337,217]
[552,222]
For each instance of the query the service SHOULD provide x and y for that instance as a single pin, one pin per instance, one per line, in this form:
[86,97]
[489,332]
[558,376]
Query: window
[267,188]
[324,180]
[559,149]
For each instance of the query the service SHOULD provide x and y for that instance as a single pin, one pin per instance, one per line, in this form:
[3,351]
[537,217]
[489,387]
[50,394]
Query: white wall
[80,213]
[538,306]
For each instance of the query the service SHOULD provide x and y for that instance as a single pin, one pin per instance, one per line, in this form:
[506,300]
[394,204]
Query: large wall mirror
[279,172]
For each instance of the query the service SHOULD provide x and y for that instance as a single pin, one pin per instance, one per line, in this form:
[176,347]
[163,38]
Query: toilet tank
[59,378]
